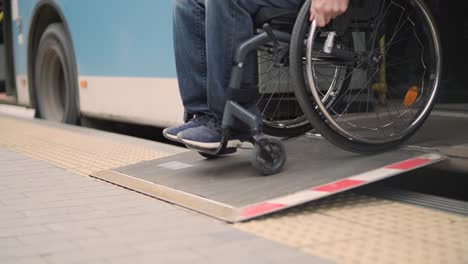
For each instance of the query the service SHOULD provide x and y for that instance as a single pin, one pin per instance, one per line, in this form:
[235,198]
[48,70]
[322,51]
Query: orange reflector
[84,84]
[411,96]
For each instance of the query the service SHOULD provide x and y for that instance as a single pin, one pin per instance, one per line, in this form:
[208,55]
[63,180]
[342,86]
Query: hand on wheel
[325,10]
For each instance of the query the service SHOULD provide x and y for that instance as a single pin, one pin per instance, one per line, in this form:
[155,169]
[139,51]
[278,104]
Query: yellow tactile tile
[402,218]
[71,150]
[388,249]
[351,228]
[305,229]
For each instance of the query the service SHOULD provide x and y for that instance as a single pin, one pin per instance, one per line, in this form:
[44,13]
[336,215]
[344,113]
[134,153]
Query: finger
[320,20]
[336,10]
[312,12]
[333,12]
[341,7]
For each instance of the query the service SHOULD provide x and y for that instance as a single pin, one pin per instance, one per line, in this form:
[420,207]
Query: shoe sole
[171,137]
[235,143]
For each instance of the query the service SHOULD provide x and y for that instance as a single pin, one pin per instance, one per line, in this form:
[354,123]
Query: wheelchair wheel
[392,72]
[280,111]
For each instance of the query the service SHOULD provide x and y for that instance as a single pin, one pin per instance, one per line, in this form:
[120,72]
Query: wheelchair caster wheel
[269,155]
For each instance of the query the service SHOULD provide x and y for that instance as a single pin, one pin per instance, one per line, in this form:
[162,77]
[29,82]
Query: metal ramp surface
[228,188]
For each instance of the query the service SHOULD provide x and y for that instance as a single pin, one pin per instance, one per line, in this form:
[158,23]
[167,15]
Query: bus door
[453,29]
[7,83]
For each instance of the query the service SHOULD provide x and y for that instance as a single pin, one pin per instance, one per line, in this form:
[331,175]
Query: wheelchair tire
[324,119]
[269,155]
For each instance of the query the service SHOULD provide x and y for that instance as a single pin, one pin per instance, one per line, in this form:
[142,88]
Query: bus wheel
[55,77]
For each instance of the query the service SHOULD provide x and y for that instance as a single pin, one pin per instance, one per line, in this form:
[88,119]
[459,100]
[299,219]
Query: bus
[114,59]
[109,59]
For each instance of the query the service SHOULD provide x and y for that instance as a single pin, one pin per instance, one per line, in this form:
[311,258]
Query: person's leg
[190,56]
[228,24]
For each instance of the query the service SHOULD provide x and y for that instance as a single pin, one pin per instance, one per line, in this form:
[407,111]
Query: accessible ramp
[228,188]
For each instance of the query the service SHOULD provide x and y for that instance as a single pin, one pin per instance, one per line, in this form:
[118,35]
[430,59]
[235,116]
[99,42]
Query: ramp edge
[197,203]
[267,207]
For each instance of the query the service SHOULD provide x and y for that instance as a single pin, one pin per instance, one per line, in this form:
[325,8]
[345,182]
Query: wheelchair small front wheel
[269,155]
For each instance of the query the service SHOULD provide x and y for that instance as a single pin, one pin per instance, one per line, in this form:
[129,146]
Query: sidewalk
[51,215]
[52,212]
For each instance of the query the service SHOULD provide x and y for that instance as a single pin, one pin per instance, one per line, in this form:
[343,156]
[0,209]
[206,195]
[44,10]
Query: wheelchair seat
[278,18]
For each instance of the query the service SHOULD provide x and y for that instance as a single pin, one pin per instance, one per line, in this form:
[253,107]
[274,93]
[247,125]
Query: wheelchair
[366,82]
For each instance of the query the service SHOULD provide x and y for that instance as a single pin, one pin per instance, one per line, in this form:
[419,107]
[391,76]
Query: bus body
[123,51]
[125,61]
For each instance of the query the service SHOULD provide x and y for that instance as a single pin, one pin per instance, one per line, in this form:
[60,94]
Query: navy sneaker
[209,135]
[171,132]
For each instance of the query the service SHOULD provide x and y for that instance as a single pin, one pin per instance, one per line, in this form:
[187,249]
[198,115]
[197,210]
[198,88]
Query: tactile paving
[82,153]
[352,228]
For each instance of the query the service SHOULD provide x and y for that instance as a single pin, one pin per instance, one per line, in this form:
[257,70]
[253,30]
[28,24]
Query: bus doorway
[453,29]
[7,82]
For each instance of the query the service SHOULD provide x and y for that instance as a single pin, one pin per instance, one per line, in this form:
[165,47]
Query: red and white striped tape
[315,193]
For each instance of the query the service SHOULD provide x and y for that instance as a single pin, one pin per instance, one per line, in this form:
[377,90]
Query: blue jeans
[206,34]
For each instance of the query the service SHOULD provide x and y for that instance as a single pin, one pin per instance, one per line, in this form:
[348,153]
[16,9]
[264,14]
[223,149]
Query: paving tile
[39,249]
[23,260]
[19,231]
[62,217]
[9,242]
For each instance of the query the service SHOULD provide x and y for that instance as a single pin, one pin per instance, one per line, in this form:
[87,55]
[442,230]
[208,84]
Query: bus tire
[55,78]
